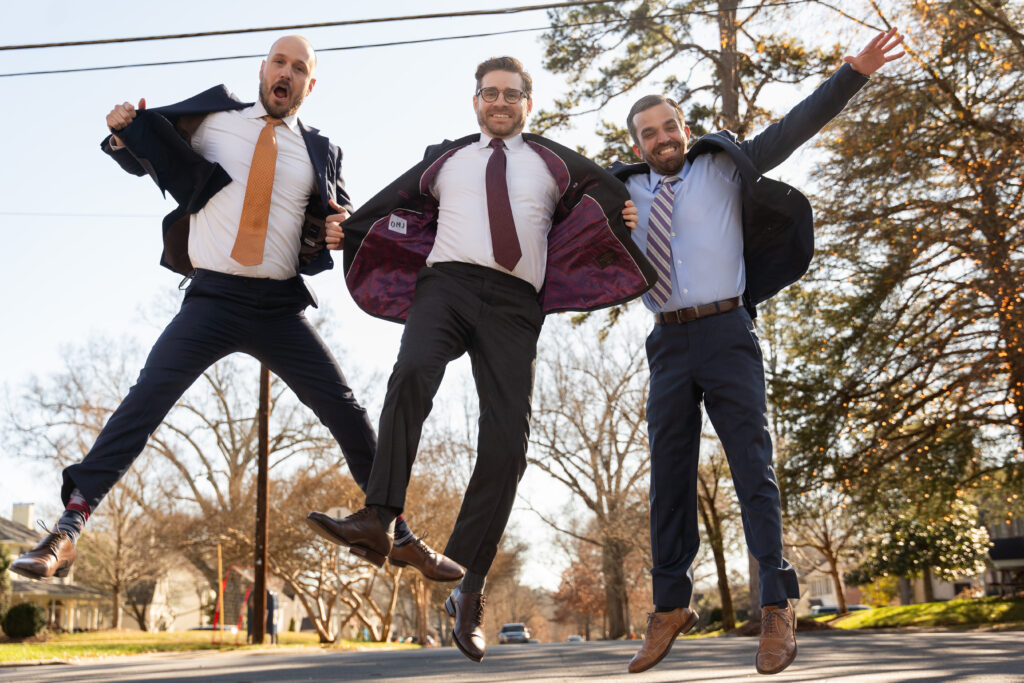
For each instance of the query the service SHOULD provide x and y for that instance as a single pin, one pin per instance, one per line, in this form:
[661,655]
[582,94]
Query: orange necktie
[252,228]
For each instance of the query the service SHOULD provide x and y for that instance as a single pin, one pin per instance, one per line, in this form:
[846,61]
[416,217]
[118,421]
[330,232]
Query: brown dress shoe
[662,630]
[468,632]
[431,563]
[361,531]
[778,640]
[52,557]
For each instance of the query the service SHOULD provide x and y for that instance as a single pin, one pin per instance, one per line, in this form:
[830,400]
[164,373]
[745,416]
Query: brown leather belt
[687,315]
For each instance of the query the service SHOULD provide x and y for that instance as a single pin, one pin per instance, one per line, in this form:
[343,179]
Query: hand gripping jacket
[157,144]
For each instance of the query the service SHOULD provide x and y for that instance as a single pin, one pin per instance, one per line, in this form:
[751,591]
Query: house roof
[18,535]
[24,589]
[1007,548]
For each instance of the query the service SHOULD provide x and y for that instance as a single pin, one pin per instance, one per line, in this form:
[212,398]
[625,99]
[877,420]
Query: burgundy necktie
[504,240]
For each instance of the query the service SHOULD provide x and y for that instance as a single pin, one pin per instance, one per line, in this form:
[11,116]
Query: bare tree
[821,528]
[590,434]
[124,553]
[719,515]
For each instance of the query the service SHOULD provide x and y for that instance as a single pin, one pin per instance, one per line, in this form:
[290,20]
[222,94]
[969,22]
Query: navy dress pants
[222,314]
[716,360]
[495,318]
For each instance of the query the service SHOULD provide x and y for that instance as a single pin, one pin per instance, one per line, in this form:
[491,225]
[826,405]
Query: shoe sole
[780,669]
[60,573]
[683,630]
[449,606]
[438,579]
[368,554]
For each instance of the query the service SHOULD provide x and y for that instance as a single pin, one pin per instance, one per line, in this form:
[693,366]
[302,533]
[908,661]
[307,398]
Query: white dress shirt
[707,230]
[229,138]
[463,226]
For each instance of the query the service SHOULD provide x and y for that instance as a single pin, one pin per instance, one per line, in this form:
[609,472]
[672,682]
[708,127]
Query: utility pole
[259,601]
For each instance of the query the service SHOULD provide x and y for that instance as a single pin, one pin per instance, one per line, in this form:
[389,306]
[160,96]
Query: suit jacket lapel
[318,148]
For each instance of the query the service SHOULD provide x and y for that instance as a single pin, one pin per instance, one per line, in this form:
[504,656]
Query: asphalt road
[975,657]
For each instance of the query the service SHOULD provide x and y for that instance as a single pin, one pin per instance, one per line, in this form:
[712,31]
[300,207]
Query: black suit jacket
[778,224]
[157,143]
[592,261]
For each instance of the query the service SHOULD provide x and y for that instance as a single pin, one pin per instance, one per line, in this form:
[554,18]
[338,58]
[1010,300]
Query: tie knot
[668,180]
[497,143]
[271,121]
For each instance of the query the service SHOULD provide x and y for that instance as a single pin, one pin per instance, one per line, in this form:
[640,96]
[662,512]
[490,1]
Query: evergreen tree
[905,357]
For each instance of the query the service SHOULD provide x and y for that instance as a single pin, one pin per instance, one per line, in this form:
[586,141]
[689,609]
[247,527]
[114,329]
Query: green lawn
[71,646]
[951,613]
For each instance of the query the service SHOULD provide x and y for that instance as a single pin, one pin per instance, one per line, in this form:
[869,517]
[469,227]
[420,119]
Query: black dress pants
[222,314]
[495,317]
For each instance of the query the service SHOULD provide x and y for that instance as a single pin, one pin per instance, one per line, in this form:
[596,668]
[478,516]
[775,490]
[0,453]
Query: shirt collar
[514,142]
[257,110]
[655,177]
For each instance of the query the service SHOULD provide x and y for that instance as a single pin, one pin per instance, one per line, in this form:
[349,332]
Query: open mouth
[281,91]
[667,149]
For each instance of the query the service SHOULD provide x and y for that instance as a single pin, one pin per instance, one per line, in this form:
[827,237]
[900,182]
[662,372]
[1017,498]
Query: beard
[504,128]
[277,110]
[669,165]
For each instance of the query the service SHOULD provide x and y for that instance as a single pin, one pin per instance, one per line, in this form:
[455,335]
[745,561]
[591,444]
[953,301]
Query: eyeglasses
[511,95]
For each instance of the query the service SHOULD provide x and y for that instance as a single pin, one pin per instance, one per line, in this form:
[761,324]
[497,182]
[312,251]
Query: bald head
[286,75]
[295,42]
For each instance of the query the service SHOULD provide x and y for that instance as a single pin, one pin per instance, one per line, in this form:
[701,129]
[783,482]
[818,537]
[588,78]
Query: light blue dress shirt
[707,230]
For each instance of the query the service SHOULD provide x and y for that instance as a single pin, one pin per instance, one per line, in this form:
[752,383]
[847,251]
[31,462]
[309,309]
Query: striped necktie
[659,228]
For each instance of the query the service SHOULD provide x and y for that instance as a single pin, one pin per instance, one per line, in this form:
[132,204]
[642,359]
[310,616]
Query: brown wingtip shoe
[361,531]
[468,632]
[778,639]
[52,557]
[662,630]
[432,564]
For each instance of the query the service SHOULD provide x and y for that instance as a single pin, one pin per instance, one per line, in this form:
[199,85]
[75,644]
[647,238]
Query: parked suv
[514,633]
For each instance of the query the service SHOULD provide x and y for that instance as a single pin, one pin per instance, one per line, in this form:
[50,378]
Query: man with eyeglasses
[471,248]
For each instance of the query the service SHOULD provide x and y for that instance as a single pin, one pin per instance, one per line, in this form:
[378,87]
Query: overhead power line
[319,51]
[326,24]
[395,43]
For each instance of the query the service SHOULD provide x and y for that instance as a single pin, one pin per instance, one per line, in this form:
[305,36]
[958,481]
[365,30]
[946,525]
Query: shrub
[23,620]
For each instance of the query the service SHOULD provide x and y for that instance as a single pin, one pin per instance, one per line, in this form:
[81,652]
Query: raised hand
[877,52]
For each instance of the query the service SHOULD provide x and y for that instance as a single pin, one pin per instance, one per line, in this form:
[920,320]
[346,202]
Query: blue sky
[81,238]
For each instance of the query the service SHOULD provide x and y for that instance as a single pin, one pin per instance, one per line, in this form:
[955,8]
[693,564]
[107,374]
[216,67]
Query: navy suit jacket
[778,224]
[157,144]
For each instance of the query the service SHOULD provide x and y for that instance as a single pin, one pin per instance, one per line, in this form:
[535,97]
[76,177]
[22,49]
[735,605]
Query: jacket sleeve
[124,158]
[772,146]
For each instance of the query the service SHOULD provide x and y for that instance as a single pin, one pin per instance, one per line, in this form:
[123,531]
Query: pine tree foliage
[905,357]
[624,48]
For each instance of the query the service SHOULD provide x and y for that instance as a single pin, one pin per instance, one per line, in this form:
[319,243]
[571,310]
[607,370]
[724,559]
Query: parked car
[574,639]
[514,633]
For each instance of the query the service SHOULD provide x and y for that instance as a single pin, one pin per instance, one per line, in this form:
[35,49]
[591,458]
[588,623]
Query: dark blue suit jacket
[157,144]
[778,224]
